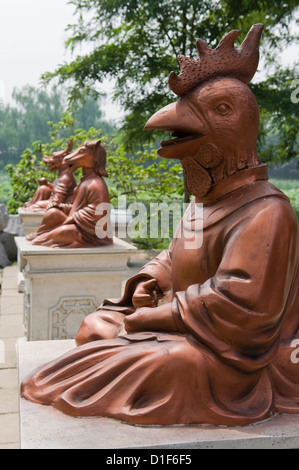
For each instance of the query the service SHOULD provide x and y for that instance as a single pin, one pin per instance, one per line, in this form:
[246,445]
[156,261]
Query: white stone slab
[43,427]
[62,285]
[29,221]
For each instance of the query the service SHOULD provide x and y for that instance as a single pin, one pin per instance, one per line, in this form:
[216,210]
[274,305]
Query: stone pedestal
[44,427]
[30,221]
[62,286]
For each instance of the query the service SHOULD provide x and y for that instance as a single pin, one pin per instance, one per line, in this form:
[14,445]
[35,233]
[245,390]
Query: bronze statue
[61,191]
[73,225]
[201,335]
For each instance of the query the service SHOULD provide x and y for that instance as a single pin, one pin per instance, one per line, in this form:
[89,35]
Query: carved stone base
[61,286]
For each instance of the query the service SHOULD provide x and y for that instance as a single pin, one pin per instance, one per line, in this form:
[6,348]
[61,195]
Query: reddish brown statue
[52,194]
[202,334]
[73,225]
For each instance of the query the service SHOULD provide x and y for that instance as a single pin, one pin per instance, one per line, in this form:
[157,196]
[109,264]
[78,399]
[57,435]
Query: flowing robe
[235,301]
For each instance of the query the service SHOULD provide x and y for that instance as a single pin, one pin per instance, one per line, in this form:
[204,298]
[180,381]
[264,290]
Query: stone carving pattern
[68,313]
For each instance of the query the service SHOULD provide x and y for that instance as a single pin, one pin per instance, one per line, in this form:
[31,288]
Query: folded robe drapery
[235,300]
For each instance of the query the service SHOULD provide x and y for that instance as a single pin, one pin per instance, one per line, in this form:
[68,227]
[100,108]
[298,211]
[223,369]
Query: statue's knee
[55,215]
[99,325]
[52,212]
[85,331]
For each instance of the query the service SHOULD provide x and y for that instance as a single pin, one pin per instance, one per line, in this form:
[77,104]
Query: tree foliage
[27,120]
[136,42]
[279,118]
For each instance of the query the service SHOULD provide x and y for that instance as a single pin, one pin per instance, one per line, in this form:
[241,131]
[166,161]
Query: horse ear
[98,143]
[70,145]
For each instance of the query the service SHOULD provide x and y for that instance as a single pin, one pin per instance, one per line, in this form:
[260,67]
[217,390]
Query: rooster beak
[178,116]
[185,125]
[164,119]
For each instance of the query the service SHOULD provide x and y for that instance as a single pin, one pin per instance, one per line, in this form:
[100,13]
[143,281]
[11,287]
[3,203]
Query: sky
[32,37]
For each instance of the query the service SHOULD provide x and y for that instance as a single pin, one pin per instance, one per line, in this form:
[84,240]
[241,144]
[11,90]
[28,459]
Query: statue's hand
[146,294]
[151,319]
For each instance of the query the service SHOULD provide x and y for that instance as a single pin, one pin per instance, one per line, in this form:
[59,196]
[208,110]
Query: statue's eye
[222,108]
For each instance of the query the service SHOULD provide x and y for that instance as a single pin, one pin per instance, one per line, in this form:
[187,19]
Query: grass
[291,189]
[285,185]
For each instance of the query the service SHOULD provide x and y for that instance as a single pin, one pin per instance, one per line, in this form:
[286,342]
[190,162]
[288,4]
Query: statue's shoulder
[273,208]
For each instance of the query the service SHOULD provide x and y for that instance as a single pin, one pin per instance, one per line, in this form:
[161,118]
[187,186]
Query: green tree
[136,43]
[279,118]
[9,137]
[27,120]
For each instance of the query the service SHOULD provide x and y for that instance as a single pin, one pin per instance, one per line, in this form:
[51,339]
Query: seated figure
[43,193]
[61,191]
[203,334]
[73,225]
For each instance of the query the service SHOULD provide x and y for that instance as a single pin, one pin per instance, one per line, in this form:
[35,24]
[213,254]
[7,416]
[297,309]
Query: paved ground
[11,329]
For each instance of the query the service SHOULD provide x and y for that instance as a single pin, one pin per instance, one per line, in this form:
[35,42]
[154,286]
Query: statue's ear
[98,147]
[70,145]
[98,143]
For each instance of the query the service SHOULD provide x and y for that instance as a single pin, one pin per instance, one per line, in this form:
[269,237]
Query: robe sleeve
[238,313]
[159,269]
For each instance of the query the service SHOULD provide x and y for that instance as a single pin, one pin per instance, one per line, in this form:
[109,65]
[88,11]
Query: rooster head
[215,122]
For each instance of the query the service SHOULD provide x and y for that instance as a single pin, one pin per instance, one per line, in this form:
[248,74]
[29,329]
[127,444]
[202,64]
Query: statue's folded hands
[151,319]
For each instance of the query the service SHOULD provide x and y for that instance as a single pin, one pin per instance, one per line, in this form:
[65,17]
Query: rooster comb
[223,61]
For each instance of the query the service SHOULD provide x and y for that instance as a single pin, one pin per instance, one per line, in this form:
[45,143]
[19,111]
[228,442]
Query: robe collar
[235,192]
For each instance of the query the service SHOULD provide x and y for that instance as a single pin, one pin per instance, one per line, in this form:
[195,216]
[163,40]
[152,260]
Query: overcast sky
[31,39]
[32,35]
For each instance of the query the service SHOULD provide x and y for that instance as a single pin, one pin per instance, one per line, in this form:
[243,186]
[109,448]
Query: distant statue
[42,193]
[61,191]
[73,225]
[205,333]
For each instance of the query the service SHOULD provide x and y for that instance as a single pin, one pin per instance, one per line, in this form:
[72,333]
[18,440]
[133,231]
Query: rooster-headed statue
[203,334]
